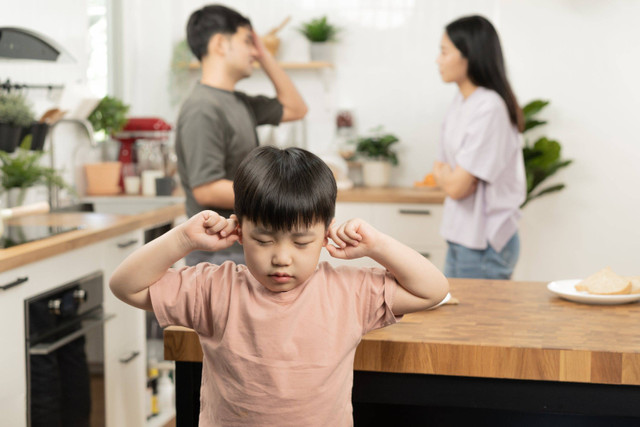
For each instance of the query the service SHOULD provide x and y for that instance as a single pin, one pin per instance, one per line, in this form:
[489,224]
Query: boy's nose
[281,257]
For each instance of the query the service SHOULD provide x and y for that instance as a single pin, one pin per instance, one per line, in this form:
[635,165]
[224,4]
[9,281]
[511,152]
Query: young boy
[279,335]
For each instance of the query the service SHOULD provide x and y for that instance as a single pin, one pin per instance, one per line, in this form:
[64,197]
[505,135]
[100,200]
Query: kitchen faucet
[88,127]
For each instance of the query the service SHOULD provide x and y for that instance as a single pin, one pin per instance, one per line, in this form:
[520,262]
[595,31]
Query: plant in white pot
[377,157]
[321,35]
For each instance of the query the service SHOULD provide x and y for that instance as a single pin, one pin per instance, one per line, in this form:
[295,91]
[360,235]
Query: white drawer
[412,224]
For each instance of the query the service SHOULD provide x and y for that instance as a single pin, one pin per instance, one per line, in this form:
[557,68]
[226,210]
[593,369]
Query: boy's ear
[239,233]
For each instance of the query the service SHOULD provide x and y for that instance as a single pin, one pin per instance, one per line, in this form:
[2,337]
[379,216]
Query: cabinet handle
[129,358]
[127,243]
[415,211]
[427,255]
[18,281]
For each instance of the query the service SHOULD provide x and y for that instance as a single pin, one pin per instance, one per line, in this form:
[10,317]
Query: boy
[216,126]
[279,335]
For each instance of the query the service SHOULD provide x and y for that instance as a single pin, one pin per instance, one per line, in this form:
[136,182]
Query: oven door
[65,355]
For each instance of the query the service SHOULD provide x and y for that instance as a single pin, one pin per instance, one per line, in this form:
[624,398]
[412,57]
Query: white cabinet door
[416,225]
[125,351]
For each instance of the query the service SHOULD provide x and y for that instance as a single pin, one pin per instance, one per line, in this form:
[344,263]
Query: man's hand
[208,231]
[355,239]
[262,51]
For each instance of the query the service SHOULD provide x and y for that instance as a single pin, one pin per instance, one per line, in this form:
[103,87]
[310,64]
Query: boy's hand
[355,239]
[208,231]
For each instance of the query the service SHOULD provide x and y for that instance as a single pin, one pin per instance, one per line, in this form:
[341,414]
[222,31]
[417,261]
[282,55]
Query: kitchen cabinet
[41,277]
[125,350]
[414,224]
[124,335]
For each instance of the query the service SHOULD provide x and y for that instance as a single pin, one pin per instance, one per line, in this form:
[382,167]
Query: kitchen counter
[94,227]
[392,195]
[501,331]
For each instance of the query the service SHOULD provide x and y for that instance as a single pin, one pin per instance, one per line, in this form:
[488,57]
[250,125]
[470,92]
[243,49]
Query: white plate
[444,301]
[566,289]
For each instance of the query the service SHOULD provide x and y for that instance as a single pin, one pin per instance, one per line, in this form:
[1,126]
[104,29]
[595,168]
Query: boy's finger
[352,231]
[335,252]
[346,238]
[334,236]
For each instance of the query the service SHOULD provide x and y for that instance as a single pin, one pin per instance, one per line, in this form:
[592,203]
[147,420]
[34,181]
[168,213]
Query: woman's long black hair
[478,42]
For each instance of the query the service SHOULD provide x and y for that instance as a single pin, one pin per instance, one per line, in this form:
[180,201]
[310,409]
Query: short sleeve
[204,134]
[267,111]
[488,143]
[193,297]
[380,289]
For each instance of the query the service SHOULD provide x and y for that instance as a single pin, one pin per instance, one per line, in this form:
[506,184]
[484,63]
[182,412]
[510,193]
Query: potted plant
[377,157]
[22,170]
[542,158]
[108,117]
[320,34]
[15,114]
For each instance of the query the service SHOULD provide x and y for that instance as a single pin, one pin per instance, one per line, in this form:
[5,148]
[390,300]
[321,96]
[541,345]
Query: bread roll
[605,282]
[635,284]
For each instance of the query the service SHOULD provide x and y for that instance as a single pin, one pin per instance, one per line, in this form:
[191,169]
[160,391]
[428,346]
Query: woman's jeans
[482,263]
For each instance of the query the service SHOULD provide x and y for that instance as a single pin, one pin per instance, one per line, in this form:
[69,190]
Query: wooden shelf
[313,65]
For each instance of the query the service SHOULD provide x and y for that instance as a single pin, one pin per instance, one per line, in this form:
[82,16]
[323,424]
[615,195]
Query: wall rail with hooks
[8,86]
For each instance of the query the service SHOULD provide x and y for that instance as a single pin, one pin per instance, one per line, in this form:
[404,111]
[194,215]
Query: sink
[121,205]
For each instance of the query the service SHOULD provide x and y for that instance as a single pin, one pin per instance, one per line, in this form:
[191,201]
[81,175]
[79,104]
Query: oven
[65,355]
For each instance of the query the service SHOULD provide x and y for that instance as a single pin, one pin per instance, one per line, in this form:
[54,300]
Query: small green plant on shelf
[542,158]
[319,30]
[377,146]
[108,117]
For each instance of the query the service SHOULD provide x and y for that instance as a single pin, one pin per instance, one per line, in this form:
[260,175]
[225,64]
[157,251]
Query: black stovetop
[15,235]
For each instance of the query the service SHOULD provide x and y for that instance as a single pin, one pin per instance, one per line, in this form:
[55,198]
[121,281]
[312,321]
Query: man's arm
[457,183]
[293,106]
[217,193]
[422,285]
[133,277]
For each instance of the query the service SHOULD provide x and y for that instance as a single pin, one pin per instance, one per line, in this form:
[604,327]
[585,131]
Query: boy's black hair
[204,23]
[284,189]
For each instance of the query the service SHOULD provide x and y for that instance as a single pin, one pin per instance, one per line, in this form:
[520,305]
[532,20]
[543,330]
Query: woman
[480,167]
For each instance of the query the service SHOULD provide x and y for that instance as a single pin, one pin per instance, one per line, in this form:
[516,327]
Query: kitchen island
[507,347]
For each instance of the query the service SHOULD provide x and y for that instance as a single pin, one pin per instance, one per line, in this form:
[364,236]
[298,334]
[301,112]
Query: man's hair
[210,20]
[284,189]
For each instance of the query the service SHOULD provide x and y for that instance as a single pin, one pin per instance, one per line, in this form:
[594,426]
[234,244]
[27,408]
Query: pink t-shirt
[276,359]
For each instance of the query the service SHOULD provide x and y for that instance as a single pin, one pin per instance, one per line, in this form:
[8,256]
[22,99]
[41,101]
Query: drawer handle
[415,212]
[18,281]
[127,243]
[427,255]
[129,358]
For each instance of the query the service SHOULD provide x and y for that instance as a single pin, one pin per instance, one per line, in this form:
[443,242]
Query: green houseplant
[108,117]
[320,33]
[542,158]
[15,113]
[22,170]
[378,157]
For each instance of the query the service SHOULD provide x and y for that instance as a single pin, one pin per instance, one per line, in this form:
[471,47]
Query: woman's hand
[355,239]
[209,231]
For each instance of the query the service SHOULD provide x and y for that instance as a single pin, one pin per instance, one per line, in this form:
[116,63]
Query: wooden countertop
[95,227]
[392,195]
[500,329]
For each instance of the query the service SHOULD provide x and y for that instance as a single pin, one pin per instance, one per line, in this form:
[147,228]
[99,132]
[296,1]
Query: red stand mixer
[137,128]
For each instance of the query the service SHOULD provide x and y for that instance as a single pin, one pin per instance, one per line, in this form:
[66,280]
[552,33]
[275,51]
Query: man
[217,125]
